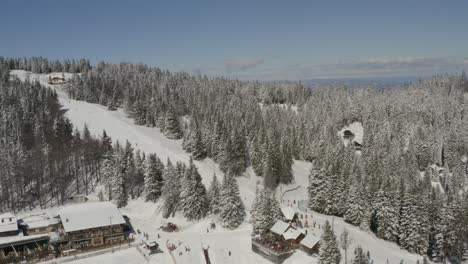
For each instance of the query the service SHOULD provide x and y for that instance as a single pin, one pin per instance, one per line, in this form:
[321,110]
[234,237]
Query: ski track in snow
[193,234]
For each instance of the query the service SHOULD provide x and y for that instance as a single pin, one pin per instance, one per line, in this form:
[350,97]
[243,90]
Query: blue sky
[247,39]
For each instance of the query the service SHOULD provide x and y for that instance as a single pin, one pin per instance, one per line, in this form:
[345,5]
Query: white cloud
[242,64]
[257,68]
[381,67]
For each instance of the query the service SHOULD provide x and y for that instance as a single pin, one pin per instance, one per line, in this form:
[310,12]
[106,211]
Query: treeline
[43,65]
[43,160]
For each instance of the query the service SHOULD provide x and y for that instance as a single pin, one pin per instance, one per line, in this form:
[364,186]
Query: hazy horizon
[262,40]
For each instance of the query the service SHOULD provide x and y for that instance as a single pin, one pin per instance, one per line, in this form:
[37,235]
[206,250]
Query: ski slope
[146,218]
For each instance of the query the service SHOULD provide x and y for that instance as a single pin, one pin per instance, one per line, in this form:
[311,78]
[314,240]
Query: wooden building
[273,255]
[310,244]
[91,224]
[56,80]
[347,134]
[289,215]
[282,240]
[8,225]
[39,224]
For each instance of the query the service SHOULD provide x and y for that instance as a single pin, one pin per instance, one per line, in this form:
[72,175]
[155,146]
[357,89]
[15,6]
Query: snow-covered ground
[130,255]
[356,128]
[145,216]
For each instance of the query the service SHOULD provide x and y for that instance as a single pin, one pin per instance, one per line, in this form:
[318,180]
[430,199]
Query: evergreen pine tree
[198,147]
[170,190]
[194,200]
[265,211]
[171,125]
[316,189]
[153,178]
[359,256]
[232,208]
[214,195]
[329,251]
[119,186]
[387,213]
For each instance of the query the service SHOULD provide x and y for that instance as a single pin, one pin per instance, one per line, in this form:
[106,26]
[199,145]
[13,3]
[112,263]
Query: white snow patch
[130,255]
[356,128]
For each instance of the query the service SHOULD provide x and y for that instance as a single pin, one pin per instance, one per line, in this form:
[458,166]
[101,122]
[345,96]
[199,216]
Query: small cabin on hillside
[8,225]
[56,80]
[348,135]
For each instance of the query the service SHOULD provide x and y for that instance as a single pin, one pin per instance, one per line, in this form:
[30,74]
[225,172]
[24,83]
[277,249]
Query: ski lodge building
[77,227]
[91,224]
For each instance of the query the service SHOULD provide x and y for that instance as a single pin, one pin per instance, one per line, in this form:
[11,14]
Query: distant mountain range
[373,81]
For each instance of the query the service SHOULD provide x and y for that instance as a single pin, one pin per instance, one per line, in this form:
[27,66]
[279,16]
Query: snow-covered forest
[42,156]
[408,184]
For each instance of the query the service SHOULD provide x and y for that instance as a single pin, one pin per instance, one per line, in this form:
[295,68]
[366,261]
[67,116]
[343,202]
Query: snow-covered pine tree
[233,157]
[232,208]
[414,229]
[138,183]
[119,187]
[316,189]
[170,190]
[186,140]
[286,176]
[194,200]
[256,153]
[436,219]
[214,195]
[254,210]
[265,212]
[329,251]
[198,147]
[171,125]
[333,188]
[153,178]
[455,230]
[359,256]
[387,212]
[106,142]
[112,104]
[356,207]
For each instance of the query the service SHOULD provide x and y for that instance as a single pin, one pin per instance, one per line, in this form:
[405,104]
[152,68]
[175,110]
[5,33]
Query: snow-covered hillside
[145,217]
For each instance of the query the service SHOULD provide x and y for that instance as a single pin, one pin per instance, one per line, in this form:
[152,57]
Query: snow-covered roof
[279,227]
[288,212]
[7,241]
[291,234]
[38,221]
[90,215]
[8,223]
[310,240]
